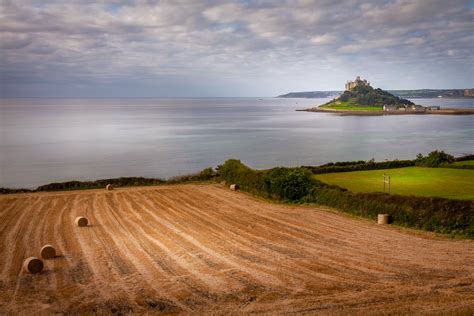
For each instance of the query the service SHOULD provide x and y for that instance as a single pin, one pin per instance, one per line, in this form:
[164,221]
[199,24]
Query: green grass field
[418,181]
[340,105]
[353,108]
[464,163]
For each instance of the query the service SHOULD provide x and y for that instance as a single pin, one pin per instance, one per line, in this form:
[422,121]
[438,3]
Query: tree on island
[368,96]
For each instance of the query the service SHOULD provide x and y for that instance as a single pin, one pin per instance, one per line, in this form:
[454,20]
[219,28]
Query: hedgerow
[441,215]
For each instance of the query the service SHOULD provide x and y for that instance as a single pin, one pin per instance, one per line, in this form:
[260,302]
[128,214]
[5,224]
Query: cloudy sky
[231,48]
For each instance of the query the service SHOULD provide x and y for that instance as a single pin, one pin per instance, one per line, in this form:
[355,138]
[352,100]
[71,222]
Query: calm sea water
[49,140]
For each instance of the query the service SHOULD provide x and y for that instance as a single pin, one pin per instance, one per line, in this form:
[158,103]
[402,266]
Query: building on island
[388,107]
[411,108]
[356,83]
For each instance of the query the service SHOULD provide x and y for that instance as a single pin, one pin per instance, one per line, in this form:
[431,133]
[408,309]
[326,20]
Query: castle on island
[356,83]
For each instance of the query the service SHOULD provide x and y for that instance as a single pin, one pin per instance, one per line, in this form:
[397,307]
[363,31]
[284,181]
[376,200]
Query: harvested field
[205,248]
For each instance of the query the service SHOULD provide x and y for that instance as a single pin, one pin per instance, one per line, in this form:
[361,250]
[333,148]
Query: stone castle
[356,83]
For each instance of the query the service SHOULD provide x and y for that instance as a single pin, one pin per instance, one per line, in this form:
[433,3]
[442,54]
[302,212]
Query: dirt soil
[206,249]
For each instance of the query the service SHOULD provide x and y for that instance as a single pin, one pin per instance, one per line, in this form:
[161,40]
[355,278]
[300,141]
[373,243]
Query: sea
[55,140]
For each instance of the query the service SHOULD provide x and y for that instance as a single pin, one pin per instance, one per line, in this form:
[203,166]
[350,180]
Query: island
[360,98]
[412,94]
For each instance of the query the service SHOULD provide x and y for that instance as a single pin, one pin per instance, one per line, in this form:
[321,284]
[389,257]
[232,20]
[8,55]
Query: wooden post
[386,180]
[384,183]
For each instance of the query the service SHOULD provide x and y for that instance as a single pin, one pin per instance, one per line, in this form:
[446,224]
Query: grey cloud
[302,43]
[14,40]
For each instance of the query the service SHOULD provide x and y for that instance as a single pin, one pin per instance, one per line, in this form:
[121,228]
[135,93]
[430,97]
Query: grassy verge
[295,185]
[344,166]
[207,174]
[441,182]
[353,108]
[349,106]
[464,163]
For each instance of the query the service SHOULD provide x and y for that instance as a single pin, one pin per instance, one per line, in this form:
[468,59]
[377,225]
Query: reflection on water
[46,140]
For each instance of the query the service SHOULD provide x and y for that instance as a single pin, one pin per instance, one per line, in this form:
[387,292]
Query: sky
[181,48]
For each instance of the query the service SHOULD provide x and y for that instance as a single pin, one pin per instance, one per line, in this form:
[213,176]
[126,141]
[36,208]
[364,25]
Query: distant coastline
[412,94]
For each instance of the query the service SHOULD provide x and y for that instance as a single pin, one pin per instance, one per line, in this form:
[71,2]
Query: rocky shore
[395,112]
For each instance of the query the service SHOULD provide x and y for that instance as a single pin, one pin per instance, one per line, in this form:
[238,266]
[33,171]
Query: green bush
[233,171]
[287,184]
[11,191]
[82,185]
[359,166]
[290,184]
[431,214]
[206,174]
[464,158]
[366,95]
[434,159]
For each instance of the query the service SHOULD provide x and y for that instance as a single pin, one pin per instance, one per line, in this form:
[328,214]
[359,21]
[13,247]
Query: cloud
[415,41]
[323,39]
[299,44]
[14,40]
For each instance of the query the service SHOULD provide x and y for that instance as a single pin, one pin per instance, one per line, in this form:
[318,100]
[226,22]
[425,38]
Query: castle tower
[356,83]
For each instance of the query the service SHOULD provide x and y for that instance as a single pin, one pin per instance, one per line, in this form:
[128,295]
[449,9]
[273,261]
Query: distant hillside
[434,93]
[421,93]
[311,94]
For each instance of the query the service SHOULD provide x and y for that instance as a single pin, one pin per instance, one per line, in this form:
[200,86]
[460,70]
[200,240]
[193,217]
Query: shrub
[287,184]
[359,166]
[206,174]
[464,158]
[431,214]
[434,159]
[233,171]
[11,191]
[117,182]
[290,184]
[366,95]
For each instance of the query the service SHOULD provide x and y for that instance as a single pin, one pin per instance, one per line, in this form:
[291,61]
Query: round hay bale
[383,219]
[48,252]
[234,187]
[33,265]
[81,221]
[109,187]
